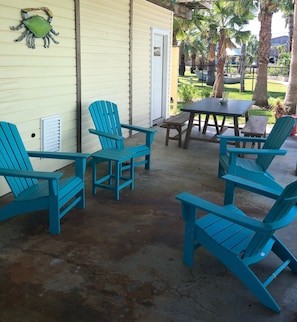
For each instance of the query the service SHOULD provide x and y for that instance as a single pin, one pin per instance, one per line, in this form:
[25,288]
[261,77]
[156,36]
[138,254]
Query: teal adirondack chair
[230,161]
[108,128]
[239,241]
[38,190]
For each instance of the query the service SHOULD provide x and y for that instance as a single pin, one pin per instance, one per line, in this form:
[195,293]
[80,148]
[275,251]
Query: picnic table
[214,107]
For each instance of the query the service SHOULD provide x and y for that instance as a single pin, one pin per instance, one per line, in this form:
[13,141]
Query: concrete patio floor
[122,260]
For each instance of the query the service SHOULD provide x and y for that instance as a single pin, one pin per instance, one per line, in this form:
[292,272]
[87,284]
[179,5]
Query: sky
[278,26]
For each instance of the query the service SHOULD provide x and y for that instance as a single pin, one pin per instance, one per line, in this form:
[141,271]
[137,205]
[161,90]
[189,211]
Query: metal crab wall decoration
[36,27]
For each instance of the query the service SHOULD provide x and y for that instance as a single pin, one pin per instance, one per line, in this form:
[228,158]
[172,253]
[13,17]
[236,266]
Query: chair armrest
[272,191]
[256,151]
[226,138]
[30,174]
[78,158]
[107,135]
[58,155]
[138,128]
[149,132]
[190,203]
[234,152]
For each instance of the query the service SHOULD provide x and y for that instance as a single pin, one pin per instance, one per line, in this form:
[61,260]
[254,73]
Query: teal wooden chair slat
[238,240]
[231,162]
[108,128]
[38,190]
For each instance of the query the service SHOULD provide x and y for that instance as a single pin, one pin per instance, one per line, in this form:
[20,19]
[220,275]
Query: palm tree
[267,8]
[252,50]
[291,95]
[230,17]
[207,29]
[194,45]
[179,35]
[287,8]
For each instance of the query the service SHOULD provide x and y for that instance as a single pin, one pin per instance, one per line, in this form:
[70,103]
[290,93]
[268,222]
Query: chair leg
[251,281]
[94,175]
[54,218]
[80,172]
[220,171]
[132,173]
[117,180]
[110,172]
[148,162]
[53,208]
[189,215]
[82,203]
[281,251]
[229,193]
[243,272]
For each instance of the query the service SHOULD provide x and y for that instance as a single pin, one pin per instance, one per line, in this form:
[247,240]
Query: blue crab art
[36,27]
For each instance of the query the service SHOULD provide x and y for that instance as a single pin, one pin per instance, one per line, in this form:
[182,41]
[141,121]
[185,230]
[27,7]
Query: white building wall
[40,82]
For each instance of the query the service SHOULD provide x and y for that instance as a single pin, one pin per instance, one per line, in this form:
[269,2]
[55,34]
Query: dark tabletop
[213,106]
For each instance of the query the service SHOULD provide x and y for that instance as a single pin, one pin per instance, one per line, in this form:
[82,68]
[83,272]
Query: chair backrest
[279,133]
[14,156]
[106,119]
[280,215]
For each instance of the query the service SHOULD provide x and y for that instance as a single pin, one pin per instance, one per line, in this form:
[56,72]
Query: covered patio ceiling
[183,8]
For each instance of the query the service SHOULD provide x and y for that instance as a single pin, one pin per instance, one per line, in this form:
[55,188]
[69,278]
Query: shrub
[187,93]
[205,92]
[279,109]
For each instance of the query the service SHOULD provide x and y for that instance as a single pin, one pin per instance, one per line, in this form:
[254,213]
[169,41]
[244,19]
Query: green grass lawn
[276,90]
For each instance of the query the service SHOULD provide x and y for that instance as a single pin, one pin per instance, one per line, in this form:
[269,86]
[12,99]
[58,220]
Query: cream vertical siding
[41,82]
[106,46]
[146,16]
[104,60]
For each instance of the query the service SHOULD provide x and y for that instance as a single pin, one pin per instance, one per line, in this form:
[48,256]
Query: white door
[157,77]
[159,74]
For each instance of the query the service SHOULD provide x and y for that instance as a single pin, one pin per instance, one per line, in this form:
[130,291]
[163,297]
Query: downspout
[78,77]
[130,63]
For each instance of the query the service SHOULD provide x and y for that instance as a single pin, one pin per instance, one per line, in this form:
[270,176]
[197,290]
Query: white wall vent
[51,133]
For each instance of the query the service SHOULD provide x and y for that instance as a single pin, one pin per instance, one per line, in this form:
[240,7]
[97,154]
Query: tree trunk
[211,73]
[242,67]
[218,87]
[193,67]
[290,23]
[291,95]
[174,38]
[211,65]
[182,64]
[265,18]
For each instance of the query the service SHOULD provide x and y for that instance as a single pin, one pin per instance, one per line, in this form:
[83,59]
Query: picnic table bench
[255,127]
[177,122]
